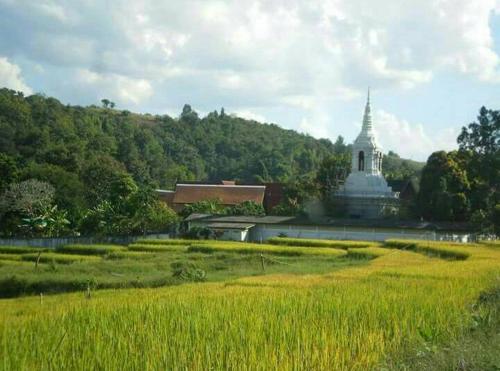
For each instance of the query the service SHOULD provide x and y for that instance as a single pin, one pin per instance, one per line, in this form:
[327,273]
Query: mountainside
[40,135]
[154,149]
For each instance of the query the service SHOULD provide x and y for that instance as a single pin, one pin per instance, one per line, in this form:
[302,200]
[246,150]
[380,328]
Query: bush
[249,248]
[90,249]
[20,249]
[60,258]
[288,241]
[156,248]
[187,271]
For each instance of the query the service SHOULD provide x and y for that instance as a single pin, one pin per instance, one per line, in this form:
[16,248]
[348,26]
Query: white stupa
[365,192]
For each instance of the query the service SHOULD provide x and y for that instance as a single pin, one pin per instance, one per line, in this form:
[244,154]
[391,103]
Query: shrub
[288,241]
[249,248]
[90,249]
[60,258]
[187,271]
[156,248]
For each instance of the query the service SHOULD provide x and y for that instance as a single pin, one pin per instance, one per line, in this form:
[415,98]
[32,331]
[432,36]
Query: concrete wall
[262,232]
[234,235]
[55,242]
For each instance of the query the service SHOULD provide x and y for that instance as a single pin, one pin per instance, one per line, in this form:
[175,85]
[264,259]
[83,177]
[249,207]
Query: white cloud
[115,87]
[250,115]
[411,140]
[10,77]
[295,57]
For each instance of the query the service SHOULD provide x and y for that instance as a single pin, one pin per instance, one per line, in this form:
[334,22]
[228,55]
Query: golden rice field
[357,318]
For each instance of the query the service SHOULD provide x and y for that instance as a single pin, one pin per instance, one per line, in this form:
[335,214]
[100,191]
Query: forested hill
[40,134]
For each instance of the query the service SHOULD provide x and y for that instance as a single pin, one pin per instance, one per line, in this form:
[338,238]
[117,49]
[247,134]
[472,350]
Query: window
[361,161]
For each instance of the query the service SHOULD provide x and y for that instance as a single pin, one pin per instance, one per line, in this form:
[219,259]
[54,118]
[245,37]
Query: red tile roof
[227,194]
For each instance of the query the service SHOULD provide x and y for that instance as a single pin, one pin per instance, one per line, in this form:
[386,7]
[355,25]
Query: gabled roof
[227,194]
[240,219]
[238,226]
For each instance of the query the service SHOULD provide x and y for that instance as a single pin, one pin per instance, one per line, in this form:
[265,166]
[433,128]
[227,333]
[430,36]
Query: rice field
[396,302]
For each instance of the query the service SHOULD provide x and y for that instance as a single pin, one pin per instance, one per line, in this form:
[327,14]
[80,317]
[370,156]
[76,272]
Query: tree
[69,189]
[148,214]
[443,188]
[105,102]
[332,172]
[9,172]
[105,179]
[189,115]
[28,198]
[213,207]
[248,208]
[479,156]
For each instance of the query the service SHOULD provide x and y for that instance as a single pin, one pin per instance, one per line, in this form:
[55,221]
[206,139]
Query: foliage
[295,196]
[9,172]
[396,168]
[247,208]
[28,198]
[148,214]
[215,207]
[463,185]
[332,172]
[443,188]
[205,207]
[51,223]
[187,271]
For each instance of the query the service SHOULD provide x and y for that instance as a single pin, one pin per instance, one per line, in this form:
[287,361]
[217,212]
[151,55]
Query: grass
[249,248]
[287,241]
[130,255]
[59,258]
[90,249]
[367,252]
[156,247]
[20,249]
[495,243]
[152,241]
[443,250]
[306,312]
[10,257]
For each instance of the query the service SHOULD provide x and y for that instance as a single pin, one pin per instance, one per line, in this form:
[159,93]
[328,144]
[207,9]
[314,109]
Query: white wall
[263,232]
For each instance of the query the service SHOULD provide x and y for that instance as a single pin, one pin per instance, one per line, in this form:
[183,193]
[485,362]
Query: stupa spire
[367,118]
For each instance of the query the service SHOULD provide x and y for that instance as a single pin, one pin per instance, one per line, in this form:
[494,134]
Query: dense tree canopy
[463,185]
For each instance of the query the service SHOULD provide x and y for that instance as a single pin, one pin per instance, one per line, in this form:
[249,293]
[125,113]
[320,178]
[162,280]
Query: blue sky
[303,64]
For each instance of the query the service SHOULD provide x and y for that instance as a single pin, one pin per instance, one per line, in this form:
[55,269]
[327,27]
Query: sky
[302,64]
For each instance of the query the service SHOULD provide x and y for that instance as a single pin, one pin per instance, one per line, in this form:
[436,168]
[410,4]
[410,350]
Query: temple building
[365,193]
